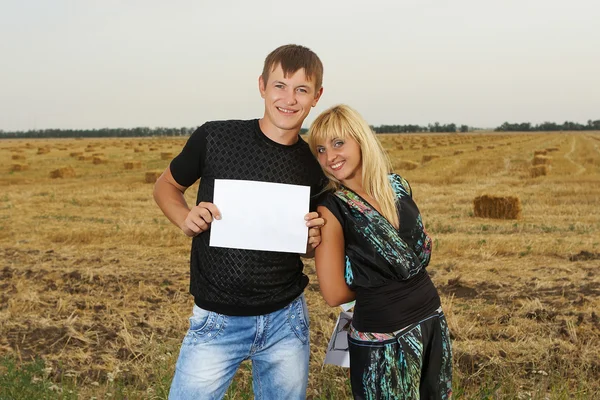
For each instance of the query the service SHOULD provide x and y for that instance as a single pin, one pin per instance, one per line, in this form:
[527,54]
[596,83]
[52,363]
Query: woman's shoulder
[400,185]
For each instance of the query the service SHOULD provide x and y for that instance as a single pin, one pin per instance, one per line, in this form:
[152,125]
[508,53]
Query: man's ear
[261,86]
[317,96]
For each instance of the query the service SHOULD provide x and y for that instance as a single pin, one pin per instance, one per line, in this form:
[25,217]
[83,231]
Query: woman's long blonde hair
[342,121]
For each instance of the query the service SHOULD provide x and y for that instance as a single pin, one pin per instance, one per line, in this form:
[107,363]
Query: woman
[375,249]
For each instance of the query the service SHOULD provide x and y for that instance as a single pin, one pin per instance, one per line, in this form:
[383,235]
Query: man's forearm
[171,201]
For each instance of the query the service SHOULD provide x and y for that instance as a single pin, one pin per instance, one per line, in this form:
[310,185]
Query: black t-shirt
[235,281]
[384,301]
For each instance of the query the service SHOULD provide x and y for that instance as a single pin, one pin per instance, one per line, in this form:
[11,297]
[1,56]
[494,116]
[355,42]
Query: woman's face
[340,158]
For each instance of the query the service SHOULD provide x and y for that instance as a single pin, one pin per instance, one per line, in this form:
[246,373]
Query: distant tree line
[97,133]
[435,128]
[549,126]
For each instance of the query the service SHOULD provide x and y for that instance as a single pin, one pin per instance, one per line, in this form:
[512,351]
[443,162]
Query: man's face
[287,100]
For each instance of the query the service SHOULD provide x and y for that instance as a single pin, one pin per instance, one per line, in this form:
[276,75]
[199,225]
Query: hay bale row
[19,167]
[152,176]
[405,164]
[551,149]
[63,172]
[487,206]
[132,164]
[84,158]
[76,154]
[429,157]
[540,152]
[457,152]
[99,160]
[18,157]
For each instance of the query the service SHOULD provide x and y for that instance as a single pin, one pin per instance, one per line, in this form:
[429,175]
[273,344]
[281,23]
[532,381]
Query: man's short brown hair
[292,58]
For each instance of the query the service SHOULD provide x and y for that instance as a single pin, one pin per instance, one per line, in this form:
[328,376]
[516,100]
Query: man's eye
[279,86]
[302,90]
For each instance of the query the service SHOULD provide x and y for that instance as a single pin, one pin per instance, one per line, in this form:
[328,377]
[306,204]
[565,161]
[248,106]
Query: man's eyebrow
[280,82]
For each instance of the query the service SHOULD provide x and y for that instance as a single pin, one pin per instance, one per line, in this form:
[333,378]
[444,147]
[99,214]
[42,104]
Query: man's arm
[169,195]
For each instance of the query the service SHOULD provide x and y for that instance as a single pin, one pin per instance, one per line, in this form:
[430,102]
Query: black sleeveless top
[387,299]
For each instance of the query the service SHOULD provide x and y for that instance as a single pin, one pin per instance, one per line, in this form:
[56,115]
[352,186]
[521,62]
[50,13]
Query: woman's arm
[330,261]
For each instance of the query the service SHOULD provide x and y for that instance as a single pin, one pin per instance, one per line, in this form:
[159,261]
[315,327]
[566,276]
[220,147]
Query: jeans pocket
[298,319]
[204,326]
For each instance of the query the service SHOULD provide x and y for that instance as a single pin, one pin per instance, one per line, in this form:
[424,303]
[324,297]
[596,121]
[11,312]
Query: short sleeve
[329,201]
[186,167]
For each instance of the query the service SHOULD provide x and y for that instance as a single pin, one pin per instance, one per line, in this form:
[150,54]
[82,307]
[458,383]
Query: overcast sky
[93,64]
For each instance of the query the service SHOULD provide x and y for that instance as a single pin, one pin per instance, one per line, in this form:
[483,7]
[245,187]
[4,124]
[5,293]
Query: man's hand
[314,223]
[200,217]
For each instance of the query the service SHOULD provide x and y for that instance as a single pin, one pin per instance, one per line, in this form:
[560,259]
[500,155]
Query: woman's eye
[320,150]
[338,143]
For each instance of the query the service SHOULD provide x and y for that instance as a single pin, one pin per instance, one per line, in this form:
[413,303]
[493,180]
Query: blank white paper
[260,216]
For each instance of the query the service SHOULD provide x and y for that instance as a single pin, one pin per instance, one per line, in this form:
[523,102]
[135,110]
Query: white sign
[260,216]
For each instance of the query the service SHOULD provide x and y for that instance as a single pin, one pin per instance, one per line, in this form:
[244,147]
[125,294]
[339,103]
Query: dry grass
[94,278]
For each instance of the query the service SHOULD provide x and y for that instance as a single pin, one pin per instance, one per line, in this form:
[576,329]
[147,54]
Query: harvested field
[94,279]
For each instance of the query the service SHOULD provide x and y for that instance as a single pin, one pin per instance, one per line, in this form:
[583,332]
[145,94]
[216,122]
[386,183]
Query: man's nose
[291,97]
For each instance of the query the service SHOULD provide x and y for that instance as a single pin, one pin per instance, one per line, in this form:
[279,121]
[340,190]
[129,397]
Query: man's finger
[316,222]
[214,211]
[311,215]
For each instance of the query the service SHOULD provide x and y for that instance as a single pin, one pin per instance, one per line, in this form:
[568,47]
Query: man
[248,304]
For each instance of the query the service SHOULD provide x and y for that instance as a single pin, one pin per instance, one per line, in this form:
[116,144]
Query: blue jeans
[216,344]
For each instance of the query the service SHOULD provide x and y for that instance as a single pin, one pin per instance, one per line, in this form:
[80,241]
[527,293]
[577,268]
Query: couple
[367,238]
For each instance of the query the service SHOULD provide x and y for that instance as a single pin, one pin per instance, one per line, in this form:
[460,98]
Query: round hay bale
[43,150]
[152,176]
[63,172]
[153,148]
[19,167]
[132,164]
[457,152]
[136,150]
[166,156]
[18,157]
[429,157]
[540,152]
[551,149]
[99,160]
[488,206]
[76,154]
[541,160]
[405,164]
[479,148]
[84,158]
[539,170]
